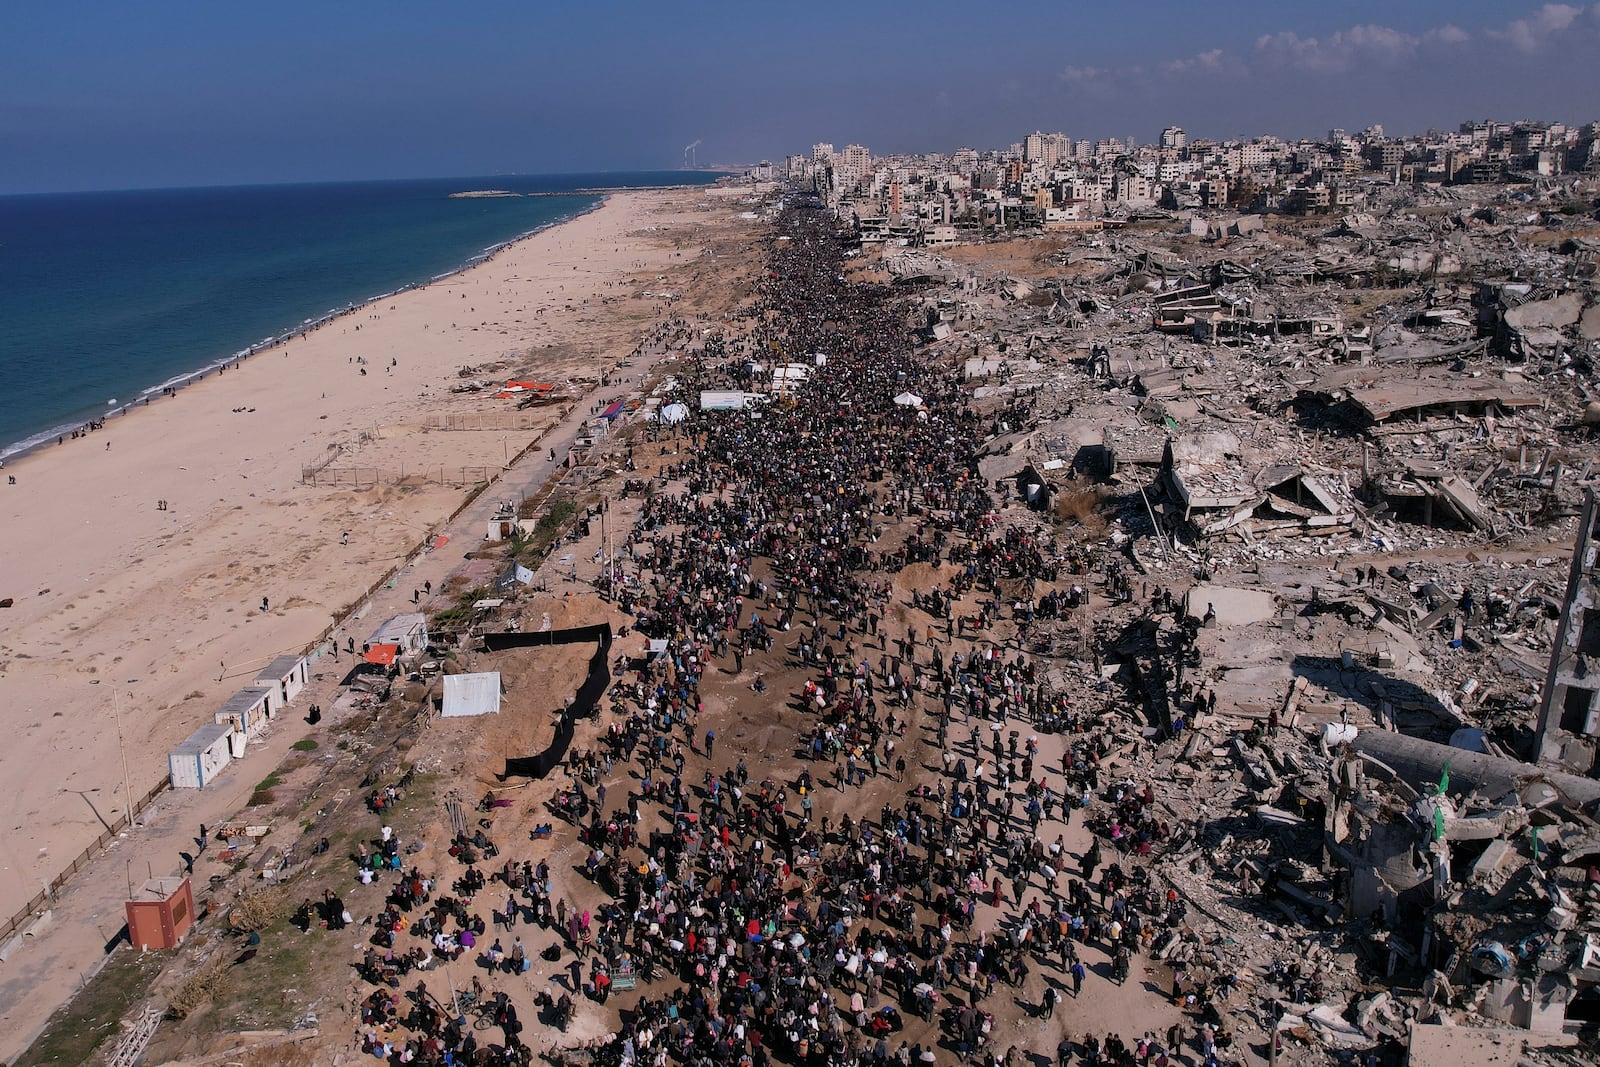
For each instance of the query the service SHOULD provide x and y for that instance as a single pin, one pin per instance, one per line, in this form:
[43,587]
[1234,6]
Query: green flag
[1444,778]
[1438,823]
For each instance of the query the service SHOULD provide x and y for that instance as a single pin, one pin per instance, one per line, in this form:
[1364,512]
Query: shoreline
[18,450]
[15,451]
[159,606]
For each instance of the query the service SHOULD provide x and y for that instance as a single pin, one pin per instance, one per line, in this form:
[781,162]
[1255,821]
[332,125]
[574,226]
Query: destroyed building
[1362,456]
[1569,712]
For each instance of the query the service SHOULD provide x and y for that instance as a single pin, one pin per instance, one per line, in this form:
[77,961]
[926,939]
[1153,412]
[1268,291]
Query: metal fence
[361,478]
[333,452]
[343,477]
[485,420]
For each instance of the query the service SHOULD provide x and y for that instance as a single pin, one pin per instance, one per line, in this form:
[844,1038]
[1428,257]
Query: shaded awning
[383,655]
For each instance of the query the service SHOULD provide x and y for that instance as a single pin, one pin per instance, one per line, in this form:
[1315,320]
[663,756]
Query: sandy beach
[162,611]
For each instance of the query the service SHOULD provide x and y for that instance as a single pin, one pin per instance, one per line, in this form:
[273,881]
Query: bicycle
[480,1009]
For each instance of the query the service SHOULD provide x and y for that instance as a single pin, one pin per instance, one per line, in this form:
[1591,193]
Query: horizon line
[83,190]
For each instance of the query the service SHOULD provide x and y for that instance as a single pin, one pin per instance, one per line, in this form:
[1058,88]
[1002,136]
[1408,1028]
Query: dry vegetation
[258,910]
[199,987]
[1084,510]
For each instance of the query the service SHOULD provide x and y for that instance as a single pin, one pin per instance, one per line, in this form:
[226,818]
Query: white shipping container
[723,400]
[287,674]
[201,757]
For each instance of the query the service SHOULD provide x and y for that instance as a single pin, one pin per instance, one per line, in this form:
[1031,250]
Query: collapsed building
[1363,455]
[1569,710]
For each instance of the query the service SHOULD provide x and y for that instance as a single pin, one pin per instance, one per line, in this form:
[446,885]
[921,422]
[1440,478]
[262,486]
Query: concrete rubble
[1342,470]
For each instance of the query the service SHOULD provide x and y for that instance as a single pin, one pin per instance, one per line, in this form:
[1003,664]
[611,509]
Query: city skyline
[178,94]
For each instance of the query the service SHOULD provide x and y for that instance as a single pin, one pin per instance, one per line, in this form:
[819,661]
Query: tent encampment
[471,694]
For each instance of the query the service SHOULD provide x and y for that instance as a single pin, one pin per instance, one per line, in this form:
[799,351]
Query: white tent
[471,694]
[908,400]
[674,413]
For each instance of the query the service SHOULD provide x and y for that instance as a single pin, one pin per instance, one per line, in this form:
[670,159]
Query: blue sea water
[105,297]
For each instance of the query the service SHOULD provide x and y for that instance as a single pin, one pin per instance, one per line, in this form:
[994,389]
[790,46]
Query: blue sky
[100,94]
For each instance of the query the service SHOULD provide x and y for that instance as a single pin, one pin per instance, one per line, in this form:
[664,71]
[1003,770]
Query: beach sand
[158,614]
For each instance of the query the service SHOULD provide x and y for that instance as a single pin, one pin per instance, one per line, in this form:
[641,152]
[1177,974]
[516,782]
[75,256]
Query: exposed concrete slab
[1589,324]
[1555,313]
[1434,1045]
[1233,606]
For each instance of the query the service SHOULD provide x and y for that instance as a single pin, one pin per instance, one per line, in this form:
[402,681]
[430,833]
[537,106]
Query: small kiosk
[161,914]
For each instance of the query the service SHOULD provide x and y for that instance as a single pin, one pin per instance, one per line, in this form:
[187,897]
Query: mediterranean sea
[107,297]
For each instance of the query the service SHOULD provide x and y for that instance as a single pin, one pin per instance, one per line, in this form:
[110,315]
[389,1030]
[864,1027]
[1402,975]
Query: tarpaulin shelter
[382,655]
[516,388]
[908,400]
[471,694]
[674,413]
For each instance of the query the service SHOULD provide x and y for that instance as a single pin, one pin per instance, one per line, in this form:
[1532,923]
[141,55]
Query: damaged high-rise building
[1569,712]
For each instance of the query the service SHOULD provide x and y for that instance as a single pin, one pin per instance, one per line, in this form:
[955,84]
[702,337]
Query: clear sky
[98,94]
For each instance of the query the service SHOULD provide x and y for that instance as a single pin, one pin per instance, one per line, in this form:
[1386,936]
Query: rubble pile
[1327,482]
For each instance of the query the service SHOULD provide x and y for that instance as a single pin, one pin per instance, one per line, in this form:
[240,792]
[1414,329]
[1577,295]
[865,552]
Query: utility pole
[611,552]
[127,790]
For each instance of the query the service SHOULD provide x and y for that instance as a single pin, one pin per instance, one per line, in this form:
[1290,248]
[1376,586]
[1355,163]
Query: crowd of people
[811,918]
